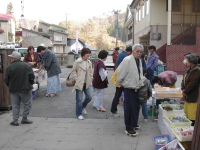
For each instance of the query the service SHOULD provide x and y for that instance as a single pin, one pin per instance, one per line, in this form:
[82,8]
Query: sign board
[1,63]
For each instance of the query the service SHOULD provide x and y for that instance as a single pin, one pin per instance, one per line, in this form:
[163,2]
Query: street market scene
[125,79]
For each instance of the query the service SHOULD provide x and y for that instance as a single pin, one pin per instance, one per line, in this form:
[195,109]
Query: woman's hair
[192,58]
[85,51]
[40,48]
[117,48]
[102,54]
[29,48]
[137,45]
[155,79]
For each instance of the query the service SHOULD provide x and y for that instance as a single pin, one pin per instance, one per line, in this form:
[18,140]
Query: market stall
[171,118]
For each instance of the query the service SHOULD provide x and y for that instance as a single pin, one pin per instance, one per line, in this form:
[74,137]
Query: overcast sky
[54,11]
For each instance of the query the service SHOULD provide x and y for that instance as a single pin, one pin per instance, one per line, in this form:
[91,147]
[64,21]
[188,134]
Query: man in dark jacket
[119,90]
[19,78]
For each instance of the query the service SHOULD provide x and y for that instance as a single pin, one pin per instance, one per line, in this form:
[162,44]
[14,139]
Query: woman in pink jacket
[166,79]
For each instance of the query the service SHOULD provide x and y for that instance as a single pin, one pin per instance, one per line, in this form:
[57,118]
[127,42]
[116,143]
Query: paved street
[56,127]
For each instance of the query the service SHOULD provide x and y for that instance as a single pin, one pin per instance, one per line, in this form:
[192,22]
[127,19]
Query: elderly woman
[31,57]
[130,74]
[190,86]
[82,71]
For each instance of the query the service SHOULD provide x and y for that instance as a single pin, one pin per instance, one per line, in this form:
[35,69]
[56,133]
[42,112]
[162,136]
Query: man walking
[19,78]
[119,90]
[130,74]
[114,55]
[152,62]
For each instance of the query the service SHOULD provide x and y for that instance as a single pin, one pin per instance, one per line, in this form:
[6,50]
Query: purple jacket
[168,77]
[152,61]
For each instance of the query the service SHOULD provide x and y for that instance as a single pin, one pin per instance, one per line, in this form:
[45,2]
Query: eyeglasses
[139,52]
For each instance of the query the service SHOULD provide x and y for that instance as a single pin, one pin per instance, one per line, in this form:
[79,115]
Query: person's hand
[184,94]
[37,71]
[31,63]
[107,71]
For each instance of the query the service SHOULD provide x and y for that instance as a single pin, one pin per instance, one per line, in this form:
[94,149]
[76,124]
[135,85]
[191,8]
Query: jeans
[131,108]
[115,101]
[144,110]
[150,74]
[79,96]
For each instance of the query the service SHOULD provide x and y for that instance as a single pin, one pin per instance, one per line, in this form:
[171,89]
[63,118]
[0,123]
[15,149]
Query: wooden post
[5,98]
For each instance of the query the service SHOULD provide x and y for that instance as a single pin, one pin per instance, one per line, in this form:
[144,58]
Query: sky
[54,11]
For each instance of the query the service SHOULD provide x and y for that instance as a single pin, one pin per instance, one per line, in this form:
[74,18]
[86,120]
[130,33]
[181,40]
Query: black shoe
[26,121]
[14,124]
[136,128]
[131,133]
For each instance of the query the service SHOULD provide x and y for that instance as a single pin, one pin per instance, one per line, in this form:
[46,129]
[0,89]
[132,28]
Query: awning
[1,31]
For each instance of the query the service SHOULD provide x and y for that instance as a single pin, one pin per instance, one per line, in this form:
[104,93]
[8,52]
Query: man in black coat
[19,78]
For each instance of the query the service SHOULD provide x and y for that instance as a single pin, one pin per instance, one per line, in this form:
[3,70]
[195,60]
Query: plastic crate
[171,124]
[163,112]
[161,68]
[33,94]
[158,146]
[149,107]
[179,135]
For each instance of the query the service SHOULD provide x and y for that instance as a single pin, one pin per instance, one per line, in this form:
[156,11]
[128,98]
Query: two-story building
[7,28]
[51,35]
[173,26]
[129,26]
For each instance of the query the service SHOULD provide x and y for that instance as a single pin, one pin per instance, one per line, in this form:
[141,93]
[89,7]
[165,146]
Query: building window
[143,11]
[40,30]
[147,7]
[57,49]
[196,6]
[176,6]
[139,18]
[58,38]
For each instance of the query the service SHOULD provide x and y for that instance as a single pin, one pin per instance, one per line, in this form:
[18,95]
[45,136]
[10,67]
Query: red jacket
[27,58]
[114,55]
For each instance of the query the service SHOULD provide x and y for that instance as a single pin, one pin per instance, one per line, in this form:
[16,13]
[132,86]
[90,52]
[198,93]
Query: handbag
[70,81]
[113,79]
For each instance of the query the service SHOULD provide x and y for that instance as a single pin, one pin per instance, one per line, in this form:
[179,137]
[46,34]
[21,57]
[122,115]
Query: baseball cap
[15,55]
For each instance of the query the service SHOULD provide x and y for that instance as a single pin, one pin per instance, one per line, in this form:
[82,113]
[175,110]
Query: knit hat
[102,54]
[15,55]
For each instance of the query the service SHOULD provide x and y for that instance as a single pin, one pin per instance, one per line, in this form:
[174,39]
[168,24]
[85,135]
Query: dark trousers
[131,108]
[150,74]
[115,101]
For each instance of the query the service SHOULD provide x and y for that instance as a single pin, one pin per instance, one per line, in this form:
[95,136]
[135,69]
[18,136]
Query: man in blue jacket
[19,78]
[119,90]
[152,62]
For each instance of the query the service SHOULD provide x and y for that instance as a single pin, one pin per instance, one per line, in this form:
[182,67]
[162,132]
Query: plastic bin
[163,112]
[33,94]
[171,124]
[149,107]
[155,73]
[158,146]
[179,135]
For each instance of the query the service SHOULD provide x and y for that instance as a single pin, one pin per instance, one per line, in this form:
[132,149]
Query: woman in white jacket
[130,74]
[82,71]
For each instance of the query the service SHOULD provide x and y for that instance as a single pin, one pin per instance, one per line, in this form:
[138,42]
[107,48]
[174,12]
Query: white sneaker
[115,114]
[80,117]
[145,120]
[84,111]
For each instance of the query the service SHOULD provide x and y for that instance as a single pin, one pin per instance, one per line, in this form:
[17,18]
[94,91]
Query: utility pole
[66,21]
[116,12]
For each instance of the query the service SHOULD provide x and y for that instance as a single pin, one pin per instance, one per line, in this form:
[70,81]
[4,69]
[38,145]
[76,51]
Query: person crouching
[100,81]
